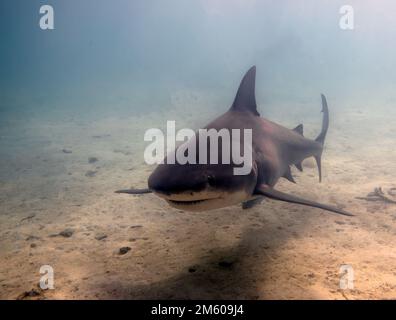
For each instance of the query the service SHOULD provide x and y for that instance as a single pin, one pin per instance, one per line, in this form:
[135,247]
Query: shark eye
[211,180]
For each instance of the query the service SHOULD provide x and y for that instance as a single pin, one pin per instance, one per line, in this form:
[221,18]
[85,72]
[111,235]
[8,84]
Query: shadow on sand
[238,272]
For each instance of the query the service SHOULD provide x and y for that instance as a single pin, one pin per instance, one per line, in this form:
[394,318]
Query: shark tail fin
[322,135]
[271,193]
[325,123]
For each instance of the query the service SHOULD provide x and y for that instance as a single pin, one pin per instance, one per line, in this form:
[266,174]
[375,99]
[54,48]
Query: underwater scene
[92,208]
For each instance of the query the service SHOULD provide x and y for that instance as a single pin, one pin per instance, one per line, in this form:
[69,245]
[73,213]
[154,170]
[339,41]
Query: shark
[275,150]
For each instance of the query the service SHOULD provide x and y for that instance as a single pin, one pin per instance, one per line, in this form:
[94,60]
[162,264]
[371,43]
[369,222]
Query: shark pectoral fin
[278,195]
[134,191]
[251,203]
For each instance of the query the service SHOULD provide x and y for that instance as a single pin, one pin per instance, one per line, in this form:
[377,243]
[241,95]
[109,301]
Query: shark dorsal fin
[245,99]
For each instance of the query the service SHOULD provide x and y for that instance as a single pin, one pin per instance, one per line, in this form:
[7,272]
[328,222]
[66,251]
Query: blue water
[127,57]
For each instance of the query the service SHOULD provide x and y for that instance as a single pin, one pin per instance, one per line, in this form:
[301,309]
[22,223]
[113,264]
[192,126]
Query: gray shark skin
[198,187]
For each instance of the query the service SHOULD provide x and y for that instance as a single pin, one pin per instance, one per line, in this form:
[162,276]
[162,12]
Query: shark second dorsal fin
[245,99]
[299,129]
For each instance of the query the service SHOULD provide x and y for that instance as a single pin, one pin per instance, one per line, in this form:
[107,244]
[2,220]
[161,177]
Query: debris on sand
[100,236]
[91,173]
[192,269]
[379,195]
[99,136]
[31,216]
[226,264]
[67,233]
[92,159]
[67,151]
[124,152]
[29,294]
[124,250]
[32,237]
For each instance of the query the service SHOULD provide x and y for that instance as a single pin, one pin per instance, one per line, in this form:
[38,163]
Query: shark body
[198,187]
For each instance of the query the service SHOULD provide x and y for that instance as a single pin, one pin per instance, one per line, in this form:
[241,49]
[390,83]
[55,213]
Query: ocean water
[107,58]
[76,101]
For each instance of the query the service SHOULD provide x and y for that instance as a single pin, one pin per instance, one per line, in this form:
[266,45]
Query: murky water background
[112,69]
[126,57]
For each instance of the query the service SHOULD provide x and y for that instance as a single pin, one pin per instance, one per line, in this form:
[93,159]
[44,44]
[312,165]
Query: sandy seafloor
[272,251]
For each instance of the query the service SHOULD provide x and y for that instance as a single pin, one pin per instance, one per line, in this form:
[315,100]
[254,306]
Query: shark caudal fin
[322,135]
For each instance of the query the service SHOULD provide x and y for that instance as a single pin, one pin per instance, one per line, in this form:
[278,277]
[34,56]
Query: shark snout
[175,183]
[182,192]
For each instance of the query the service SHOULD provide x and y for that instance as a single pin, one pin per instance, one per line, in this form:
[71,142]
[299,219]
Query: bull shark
[275,149]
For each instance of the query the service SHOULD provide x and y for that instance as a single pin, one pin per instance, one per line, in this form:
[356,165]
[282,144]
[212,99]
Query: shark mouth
[189,197]
[203,201]
[186,202]
[196,204]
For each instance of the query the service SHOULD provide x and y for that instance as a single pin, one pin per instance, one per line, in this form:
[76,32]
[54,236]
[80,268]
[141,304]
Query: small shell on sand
[92,159]
[124,250]
[90,173]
